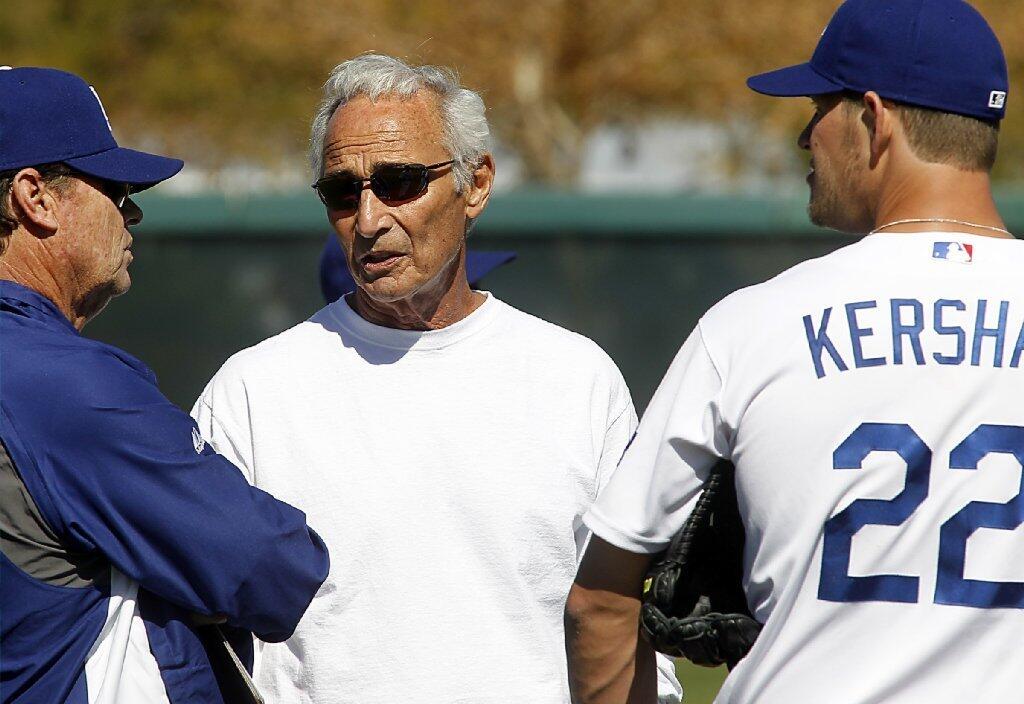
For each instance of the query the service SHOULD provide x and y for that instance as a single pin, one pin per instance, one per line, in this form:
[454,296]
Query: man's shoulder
[281,351]
[39,366]
[562,353]
[541,333]
[62,394]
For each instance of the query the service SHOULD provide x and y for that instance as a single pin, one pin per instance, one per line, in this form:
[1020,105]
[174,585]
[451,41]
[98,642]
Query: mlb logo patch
[959,252]
[997,99]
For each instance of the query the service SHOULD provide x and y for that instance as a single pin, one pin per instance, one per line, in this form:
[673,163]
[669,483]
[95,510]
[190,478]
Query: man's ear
[479,190]
[878,119]
[33,203]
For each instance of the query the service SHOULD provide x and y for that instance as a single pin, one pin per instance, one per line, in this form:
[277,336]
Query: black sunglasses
[389,182]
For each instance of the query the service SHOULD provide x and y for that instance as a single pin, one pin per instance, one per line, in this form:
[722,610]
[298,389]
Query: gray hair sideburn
[464,124]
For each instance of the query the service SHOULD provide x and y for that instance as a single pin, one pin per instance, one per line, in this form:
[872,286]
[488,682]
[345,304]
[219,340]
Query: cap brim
[793,82]
[139,169]
[479,264]
[335,279]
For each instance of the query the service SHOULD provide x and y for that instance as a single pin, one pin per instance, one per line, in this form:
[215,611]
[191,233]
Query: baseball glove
[693,604]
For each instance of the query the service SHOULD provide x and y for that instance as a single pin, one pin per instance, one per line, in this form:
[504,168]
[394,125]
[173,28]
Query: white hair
[464,124]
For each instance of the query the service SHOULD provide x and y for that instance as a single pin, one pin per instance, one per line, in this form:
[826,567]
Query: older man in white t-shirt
[445,444]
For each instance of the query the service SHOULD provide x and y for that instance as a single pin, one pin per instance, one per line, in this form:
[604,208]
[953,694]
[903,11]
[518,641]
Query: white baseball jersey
[873,404]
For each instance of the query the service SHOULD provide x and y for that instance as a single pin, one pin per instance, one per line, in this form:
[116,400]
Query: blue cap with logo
[938,54]
[49,116]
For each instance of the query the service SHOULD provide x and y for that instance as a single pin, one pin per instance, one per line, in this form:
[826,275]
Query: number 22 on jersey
[951,587]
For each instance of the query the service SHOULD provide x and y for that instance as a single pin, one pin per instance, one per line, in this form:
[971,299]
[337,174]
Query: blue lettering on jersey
[942,329]
[910,330]
[857,333]
[1018,349]
[908,323]
[819,341]
[981,332]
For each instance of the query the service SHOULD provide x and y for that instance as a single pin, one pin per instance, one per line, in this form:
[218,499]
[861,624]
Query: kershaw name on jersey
[949,331]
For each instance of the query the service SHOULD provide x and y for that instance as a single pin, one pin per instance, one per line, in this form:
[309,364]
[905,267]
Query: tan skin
[608,662]
[71,245]
[408,258]
[864,175]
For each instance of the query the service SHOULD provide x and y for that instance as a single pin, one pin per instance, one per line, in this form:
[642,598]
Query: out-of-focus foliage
[219,81]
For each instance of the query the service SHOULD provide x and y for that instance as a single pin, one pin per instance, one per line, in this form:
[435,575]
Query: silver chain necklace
[950,221]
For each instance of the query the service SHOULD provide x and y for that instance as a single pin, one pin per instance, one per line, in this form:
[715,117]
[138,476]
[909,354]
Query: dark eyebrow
[342,172]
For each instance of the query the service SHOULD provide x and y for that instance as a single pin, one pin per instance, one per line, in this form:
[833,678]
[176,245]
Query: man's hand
[608,663]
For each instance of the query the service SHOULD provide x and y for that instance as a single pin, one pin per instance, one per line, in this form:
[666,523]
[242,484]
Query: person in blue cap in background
[870,401]
[336,279]
[120,529]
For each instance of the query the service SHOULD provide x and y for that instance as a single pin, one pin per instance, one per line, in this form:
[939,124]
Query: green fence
[213,275]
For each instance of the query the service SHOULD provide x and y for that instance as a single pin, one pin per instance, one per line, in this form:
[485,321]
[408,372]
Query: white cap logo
[997,99]
[102,109]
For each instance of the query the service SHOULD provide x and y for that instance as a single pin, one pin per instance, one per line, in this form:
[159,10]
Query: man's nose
[131,212]
[804,140]
[373,218]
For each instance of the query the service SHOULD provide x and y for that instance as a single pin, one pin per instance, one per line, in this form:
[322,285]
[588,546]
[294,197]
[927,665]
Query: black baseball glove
[693,603]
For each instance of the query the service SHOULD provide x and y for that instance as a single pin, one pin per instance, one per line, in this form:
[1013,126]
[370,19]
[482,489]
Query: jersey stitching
[711,357]
[618,415]
[731,436]
[51,512]
[598,484]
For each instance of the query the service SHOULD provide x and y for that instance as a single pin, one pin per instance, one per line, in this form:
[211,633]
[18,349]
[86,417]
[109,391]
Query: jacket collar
[21,300]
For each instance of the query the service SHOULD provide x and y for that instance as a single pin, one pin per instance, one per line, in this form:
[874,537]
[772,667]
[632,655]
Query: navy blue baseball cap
[49,116]
[336,280]
[938,54]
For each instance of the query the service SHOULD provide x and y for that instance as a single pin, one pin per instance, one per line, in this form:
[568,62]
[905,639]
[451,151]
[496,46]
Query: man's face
[395,250]
[838,167]
[95,241]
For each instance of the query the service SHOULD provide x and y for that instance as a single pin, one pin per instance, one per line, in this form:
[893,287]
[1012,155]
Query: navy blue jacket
[114,511]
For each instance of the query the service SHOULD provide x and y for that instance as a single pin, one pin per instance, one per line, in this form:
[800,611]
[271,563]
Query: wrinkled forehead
[409,128]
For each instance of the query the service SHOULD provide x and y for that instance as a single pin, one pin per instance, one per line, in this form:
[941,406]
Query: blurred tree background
[229,82]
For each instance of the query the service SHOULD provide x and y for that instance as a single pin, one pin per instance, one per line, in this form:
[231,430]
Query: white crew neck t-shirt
[448,472]
[872,401]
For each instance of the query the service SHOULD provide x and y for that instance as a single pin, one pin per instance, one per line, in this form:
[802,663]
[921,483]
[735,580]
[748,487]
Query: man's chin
[121,285]
[818,218]
[387,289]
[829,219]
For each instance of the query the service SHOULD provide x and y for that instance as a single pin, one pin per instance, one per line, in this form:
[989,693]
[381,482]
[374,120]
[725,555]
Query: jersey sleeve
[619,425]
[223,427]
[126,473]
[616,440]
[680,437]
